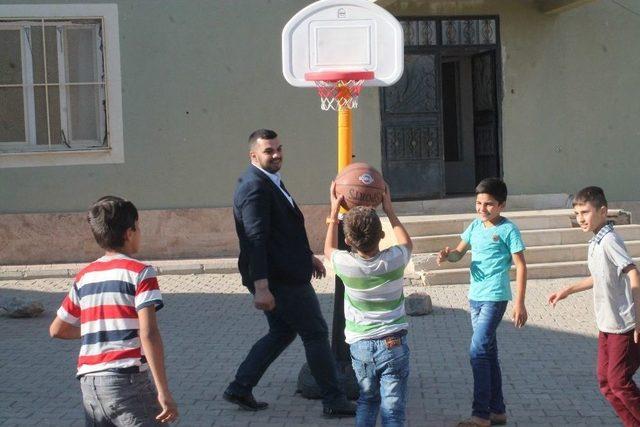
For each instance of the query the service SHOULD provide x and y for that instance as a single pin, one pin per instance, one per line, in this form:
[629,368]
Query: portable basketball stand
[340,46]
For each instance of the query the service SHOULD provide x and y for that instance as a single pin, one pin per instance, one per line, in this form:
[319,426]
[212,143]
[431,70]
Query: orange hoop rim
[335,76]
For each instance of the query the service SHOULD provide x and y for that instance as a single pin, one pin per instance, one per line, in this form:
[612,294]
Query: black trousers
[297,312]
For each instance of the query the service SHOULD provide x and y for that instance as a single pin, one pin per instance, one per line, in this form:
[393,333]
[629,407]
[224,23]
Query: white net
[341,94]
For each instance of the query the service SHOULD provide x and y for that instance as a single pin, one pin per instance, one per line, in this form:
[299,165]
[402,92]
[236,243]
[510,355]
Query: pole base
[309,389]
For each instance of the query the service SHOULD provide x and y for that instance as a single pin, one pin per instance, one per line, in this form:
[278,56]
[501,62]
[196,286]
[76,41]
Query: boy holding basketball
[496,243]
[375,321]
[616,295]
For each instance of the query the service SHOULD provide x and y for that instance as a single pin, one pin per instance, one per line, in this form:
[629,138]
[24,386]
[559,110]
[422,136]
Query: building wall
[570,105]
[194,86]
[197,77]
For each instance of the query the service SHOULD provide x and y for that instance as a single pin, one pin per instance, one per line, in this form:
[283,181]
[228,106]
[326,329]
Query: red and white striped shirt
[104,302]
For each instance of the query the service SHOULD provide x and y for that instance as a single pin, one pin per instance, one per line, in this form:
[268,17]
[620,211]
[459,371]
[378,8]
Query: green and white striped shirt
[373,297]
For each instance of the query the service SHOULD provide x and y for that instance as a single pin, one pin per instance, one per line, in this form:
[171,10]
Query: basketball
[361,185]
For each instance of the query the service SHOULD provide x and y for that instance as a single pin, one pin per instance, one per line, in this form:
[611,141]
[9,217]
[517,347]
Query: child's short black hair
[495,187]
[593,195]
[363,229]
[110,217]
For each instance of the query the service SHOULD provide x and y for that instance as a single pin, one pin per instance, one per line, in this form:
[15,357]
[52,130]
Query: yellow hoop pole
[344,140]
[345,149]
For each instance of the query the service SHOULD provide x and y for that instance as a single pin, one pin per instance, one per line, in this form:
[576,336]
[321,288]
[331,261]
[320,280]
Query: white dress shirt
[275,177]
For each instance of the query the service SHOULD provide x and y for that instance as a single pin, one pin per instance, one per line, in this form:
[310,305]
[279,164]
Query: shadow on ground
[548,374]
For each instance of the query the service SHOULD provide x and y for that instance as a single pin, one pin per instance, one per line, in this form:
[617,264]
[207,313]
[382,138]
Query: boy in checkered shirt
[616,296]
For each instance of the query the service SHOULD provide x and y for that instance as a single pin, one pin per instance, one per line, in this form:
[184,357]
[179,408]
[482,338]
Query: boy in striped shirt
[375,321]
[112,308]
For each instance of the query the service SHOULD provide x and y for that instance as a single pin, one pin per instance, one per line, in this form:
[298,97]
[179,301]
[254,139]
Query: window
[60,100]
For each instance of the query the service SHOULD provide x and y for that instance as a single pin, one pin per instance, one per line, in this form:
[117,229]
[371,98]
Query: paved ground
[208,324]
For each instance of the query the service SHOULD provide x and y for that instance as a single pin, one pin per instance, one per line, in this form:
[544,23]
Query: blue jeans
[487,378]
[382,374]
[119,400]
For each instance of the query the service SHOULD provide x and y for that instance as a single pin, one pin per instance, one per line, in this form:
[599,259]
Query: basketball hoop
[339,89]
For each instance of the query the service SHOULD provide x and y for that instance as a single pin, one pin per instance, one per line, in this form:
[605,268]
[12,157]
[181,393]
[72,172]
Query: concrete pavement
[208,325]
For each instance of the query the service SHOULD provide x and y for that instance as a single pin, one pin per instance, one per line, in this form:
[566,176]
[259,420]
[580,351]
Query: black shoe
[340,410]
[248,403]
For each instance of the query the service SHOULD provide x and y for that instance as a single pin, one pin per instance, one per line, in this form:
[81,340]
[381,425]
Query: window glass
[83,112]
[10,58]
[81,55]
[38,55]
[11,114]
[42,136]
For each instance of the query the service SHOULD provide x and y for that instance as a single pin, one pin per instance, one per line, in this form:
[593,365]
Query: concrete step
[433,225]
[534,271]
[533,255]
[543,237]
[462,204]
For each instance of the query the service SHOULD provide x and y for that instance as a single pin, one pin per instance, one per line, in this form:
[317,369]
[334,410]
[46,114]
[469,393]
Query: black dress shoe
[340,409]
[248,403]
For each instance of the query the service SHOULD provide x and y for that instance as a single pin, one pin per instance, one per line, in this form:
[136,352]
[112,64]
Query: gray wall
[197,78]
[570,106]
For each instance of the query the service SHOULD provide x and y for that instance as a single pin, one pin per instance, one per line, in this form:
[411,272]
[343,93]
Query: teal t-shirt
[491,250]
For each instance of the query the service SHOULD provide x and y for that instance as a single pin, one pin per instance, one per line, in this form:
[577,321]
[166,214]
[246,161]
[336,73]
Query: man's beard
[272,167]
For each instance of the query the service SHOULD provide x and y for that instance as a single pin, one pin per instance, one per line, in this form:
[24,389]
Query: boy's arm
[634,281]
[580,286]
[331,239]
[455,255]
[66,324]
[400,232]
[154,352]
[63,330]
[519,315]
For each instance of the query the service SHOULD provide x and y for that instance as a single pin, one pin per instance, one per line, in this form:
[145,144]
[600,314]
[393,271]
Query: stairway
[556,246]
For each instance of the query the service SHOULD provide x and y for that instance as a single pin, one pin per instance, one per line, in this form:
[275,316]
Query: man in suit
[276,264]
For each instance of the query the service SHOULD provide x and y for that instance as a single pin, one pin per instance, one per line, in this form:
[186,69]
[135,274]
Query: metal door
[485,116]
[412,147]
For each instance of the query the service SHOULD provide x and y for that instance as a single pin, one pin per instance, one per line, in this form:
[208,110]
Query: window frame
[110,123]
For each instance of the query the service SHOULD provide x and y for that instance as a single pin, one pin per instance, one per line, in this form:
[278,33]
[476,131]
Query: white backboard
[343,35]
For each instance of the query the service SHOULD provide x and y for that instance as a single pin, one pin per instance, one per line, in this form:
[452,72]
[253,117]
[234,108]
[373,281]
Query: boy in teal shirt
[495,242]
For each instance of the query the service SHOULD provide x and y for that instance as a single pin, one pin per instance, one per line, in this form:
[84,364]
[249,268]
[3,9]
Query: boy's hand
[636,334]
[318,268]
[519,315]
[264,300]
[386,200]
[555,297]
[336,200]
[443,255]
[169,408]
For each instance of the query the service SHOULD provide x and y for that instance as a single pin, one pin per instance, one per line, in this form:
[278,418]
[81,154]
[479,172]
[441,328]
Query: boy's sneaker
[475,422]
[498,419]
[340,409]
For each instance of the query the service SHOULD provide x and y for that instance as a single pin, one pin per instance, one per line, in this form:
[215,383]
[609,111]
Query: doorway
[441,121]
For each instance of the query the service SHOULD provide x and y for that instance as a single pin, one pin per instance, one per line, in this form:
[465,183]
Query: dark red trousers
[618,360]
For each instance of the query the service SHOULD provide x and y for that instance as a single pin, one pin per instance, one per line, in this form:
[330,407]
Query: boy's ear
[347,241]
[128,234]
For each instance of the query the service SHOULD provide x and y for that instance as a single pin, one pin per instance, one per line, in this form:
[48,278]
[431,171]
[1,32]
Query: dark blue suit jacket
[273,240]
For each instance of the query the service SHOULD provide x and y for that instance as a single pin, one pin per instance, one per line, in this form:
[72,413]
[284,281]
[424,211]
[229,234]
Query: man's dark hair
[363,228]
[261,134]
[495,187]
[593,195]
[110,218]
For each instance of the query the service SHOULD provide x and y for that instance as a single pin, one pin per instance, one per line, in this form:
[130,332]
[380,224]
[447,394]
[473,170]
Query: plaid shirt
[606,229]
